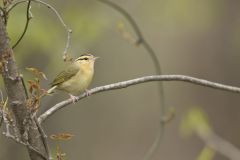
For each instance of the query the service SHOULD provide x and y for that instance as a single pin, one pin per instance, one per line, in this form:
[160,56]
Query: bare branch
[68,30]
[124,84]
[14,5]
[14,136]
[25,144]
[28,17]
[220,145]
[141,41]
[44,137]
[126,15]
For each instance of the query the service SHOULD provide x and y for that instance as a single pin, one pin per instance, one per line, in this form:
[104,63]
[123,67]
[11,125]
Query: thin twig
[14,5]
[1,108]
[68,30]
[5,119]
[124,84]
[141,41]
[44,137]
[126,15]
[1,117]
[24,86]
[28,17]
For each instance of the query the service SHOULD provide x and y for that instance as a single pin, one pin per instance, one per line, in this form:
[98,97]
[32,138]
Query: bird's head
[86,61]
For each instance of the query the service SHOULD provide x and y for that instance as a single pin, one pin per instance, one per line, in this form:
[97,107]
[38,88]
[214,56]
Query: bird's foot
[73,98]
[87,92]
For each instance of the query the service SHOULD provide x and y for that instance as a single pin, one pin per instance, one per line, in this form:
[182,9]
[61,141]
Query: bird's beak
[94,58]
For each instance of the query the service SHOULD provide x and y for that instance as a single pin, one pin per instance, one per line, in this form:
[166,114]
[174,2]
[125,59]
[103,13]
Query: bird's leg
[73,98]
[87,92]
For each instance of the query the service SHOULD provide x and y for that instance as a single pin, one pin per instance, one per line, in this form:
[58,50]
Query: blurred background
[195,38]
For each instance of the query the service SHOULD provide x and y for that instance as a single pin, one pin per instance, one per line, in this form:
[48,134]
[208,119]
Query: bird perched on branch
[76,77]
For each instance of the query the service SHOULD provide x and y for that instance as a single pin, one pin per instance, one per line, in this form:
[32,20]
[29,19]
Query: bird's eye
[85,58]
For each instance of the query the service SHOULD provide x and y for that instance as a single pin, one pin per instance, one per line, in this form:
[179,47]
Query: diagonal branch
[124,84]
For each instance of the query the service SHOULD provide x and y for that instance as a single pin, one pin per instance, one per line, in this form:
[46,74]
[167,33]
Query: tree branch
[141,41]
[28,17]
[124,84]
[44,137]
[68,30]
[1,117]
[26,127]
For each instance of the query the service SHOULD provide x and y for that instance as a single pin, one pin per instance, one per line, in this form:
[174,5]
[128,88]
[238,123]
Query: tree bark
[25,125]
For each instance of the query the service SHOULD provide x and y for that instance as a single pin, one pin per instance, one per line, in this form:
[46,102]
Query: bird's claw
[87,93]
[73,98]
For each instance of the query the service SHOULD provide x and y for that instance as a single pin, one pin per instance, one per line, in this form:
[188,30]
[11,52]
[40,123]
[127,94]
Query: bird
[76,77]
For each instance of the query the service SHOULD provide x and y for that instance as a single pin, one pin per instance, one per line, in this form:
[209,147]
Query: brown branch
[26,127]
[24,85]
[25,144]
[44,137]
[14,136]
[141,41]
[124,84]
[28,18]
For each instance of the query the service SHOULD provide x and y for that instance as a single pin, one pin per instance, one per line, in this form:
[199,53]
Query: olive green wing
[65,75]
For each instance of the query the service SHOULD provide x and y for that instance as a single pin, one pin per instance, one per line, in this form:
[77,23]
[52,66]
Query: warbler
[76,77]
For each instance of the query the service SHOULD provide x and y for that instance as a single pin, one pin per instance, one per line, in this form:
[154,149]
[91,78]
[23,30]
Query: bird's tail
[50,91]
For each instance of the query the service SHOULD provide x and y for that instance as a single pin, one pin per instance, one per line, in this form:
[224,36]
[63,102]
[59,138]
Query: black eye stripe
[85,58]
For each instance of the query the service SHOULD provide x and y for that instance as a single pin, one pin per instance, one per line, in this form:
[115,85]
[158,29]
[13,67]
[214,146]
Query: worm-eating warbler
[76,77]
